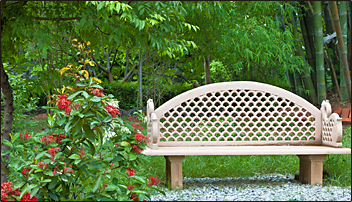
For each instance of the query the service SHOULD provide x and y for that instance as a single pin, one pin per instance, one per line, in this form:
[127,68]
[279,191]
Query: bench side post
[331,126]
[311,169]
[174,171]
[152,125]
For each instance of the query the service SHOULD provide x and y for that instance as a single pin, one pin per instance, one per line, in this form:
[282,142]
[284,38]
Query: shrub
[86,153]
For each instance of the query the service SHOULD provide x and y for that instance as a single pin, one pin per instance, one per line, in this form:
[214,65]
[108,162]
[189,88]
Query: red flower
[53,152]
[82,153]
[7,193]
[137,149]
[63,102]
[42,165]
[153,181]
[97,92]
[130,171]
[25,137]
[140,138]
[26,171]
[130,187]
[47,139]
[27,197]
[74,106]
[134,197]
[136,127]
[112,110]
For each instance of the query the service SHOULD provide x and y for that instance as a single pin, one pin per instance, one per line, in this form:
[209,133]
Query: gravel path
[275,187]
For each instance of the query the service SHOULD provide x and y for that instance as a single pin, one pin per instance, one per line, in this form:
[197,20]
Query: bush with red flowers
[72,161]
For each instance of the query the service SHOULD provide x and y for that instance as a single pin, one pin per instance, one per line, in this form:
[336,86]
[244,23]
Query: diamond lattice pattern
[328,125]
[237,116]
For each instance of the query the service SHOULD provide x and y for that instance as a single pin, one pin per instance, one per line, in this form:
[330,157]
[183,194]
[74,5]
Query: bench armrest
[331,126]
[152,126]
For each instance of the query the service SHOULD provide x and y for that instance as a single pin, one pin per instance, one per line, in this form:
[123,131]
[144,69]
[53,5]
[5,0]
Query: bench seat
[245,150]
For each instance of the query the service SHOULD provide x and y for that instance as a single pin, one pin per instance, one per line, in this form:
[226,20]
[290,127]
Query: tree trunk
[127,61]
[111,78]
[207,70]
[343,56]
[298,85]
[319,46]
[334,79]
[291,81]
[8,118]
[306,76]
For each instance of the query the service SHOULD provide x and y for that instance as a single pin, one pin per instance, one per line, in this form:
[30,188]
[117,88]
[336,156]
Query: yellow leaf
[74,39]
[88,43]
[64,70]
[97,80]
[86,74]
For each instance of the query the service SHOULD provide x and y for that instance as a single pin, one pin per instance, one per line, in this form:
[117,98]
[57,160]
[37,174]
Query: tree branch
[58,19]
[113,61]
[99,65]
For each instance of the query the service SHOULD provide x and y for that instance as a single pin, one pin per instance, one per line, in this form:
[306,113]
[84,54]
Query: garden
[76,77]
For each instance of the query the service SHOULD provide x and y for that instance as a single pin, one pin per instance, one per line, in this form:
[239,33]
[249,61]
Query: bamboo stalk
[319,46]
[306,75]
[341,47]
[333,71]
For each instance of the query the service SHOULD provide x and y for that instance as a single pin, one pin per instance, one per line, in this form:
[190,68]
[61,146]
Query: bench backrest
[238,113]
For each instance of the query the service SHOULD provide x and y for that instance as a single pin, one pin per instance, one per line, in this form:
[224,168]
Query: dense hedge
[127,92]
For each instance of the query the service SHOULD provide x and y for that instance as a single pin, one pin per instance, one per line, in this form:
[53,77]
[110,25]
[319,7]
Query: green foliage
[86,153]
[125,92]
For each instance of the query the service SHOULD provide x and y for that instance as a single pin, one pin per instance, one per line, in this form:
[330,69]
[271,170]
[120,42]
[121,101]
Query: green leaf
[34,191]
[95,99]
[53,196]
[6,142]
[74,156]
[101,5]
[92,148]
[74,94]
[14,138]
[97,183]
[89,133]
[52,184]
[42,154]
[140,179]
[132,156]
[81,84]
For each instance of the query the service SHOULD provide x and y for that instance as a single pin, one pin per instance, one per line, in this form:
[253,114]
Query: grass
[338,166]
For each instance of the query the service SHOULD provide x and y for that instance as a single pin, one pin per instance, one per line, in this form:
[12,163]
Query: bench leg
[311,169]
[174,171]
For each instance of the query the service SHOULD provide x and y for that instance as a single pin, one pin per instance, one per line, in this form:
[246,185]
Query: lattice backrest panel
[239,117]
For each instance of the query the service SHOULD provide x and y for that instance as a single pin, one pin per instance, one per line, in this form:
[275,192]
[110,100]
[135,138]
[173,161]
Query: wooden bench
[243,118]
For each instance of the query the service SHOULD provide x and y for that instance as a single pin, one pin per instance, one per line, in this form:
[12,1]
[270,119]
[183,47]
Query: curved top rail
[233,85]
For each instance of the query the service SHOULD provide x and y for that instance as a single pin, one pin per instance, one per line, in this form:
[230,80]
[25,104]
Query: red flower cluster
[52,138]
[26,171]
[130,171]
[82,153]
[66,169]
[25,137]
[74,106]
[53,152]
[136,127]
[134,197]
[97,92]
[112,110]
[7,192]
[141,138]
[153,181]
[137,149]
[63,102]
[42,165]
[130,187]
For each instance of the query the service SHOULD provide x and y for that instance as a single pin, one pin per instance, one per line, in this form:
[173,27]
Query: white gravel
[274,187]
